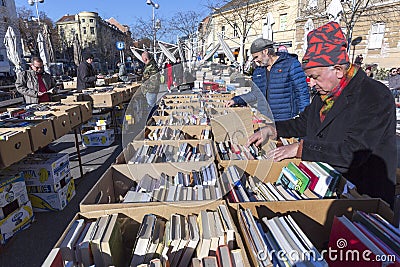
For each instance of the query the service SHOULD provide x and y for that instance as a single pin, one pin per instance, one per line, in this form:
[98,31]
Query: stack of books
[90,243]
[278,241]
[230,151]
[170,153]
[6,135]
[193,186]
[367,240]
[204,239]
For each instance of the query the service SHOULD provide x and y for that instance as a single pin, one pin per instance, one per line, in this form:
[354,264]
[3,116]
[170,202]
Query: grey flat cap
[260,44]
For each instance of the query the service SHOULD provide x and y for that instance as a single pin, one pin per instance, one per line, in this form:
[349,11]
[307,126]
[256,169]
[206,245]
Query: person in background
[351,125]
[122,72]
[151,79]
[283,49]
[169,76]
[286,88]
[178,72]
[86,75]
[394,81]
[368,71]
[359,60]
[35,84]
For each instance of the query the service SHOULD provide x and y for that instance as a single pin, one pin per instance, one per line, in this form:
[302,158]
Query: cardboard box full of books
[314,217]
[186,132]
[14,146]
[18,220]
[98,138]
[73,111]
[112,187]
[107,99]
[43,169]
[61,122]
[132,241]
[53,201]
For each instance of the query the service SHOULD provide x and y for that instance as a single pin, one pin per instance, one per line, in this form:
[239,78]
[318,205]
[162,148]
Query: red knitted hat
[327,46]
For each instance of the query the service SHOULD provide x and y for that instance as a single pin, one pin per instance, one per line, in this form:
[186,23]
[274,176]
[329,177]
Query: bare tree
[241,15]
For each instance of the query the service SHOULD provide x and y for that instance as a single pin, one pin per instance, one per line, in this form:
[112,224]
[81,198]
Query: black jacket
[86,76]
[357,137]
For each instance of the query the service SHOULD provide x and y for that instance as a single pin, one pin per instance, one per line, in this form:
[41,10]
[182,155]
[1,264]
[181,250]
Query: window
[91,30]
[84,30]
[91,20]
[83,20]
[376,35]
[223,31]
[235,30]
[312,4]
[3,2]
[283,22]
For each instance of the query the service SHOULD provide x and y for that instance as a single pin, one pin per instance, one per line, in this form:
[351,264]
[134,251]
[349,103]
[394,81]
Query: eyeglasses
[37,67]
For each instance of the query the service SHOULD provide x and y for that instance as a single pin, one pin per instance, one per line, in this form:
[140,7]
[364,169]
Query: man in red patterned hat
[351,125]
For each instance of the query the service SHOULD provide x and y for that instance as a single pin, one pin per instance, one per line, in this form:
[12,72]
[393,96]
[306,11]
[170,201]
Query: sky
[124,11]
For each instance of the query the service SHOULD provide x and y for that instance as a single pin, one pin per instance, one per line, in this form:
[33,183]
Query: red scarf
[330,98]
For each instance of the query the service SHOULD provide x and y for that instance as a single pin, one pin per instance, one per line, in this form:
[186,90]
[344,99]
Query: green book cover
[303,180]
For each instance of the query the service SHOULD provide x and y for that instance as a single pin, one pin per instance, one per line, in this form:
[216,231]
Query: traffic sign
[120,45]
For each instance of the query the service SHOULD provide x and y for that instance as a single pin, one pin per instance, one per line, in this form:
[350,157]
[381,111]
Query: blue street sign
[120,45]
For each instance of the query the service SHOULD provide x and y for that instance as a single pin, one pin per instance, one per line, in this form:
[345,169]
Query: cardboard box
[15,222]
[15,148]
[118,179]
[73,111]
[131,149]
[14,205]
[86,110]
[49,188]
[12,186]
[106,100]
[98,138]
[131,219]
[43,169]
[53,201]
[60,121]
[314,217]
[104,116]
[70,85]
[40,131]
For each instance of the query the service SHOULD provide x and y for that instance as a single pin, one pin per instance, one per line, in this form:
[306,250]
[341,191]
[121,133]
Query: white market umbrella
[167,53]
[227,50]
[136,53]
[43,52]
[267,27]
[308,27]
[10,42]
[211,53]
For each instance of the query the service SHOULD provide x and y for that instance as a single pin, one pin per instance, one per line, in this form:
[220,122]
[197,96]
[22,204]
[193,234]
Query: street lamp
[155,24]
[32,2]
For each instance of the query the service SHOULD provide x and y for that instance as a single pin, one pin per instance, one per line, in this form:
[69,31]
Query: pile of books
[292,184]
[169,153]
[278,241]
[207,238]
[177,133]
[230,151]
[97,131]
[367,239]
[193,186]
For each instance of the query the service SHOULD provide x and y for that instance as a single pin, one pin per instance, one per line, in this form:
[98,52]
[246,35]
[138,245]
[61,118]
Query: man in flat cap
[281,80]
[351,125]
[86,75]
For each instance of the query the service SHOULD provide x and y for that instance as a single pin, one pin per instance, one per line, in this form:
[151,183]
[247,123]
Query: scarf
[330,98]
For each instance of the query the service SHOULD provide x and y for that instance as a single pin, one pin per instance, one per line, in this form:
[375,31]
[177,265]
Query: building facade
[8,17]
[286,22]
[95,35]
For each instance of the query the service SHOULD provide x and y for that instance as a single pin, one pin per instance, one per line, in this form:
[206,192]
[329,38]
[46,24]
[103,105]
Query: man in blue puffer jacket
[286,87]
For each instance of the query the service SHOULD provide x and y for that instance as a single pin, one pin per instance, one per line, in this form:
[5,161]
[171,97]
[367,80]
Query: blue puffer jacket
[287,90]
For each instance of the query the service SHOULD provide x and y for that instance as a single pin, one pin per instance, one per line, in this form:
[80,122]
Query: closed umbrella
[49,44]
[43,52]
[267,27]
[210,54]
[77,51]
[10,42]
[308,27]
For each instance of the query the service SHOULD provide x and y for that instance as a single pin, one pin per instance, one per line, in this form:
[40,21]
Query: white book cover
[143,239]
[68,244]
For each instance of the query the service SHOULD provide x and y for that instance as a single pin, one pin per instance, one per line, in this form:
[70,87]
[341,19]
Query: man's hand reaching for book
[262,136]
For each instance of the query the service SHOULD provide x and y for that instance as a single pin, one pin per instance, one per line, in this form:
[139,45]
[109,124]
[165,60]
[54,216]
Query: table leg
[78,152]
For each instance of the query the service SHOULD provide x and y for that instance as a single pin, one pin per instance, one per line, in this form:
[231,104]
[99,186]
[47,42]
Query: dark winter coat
[86,76]
[357,137]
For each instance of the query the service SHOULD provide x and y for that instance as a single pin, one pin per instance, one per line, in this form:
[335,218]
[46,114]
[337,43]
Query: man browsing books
[351,125]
